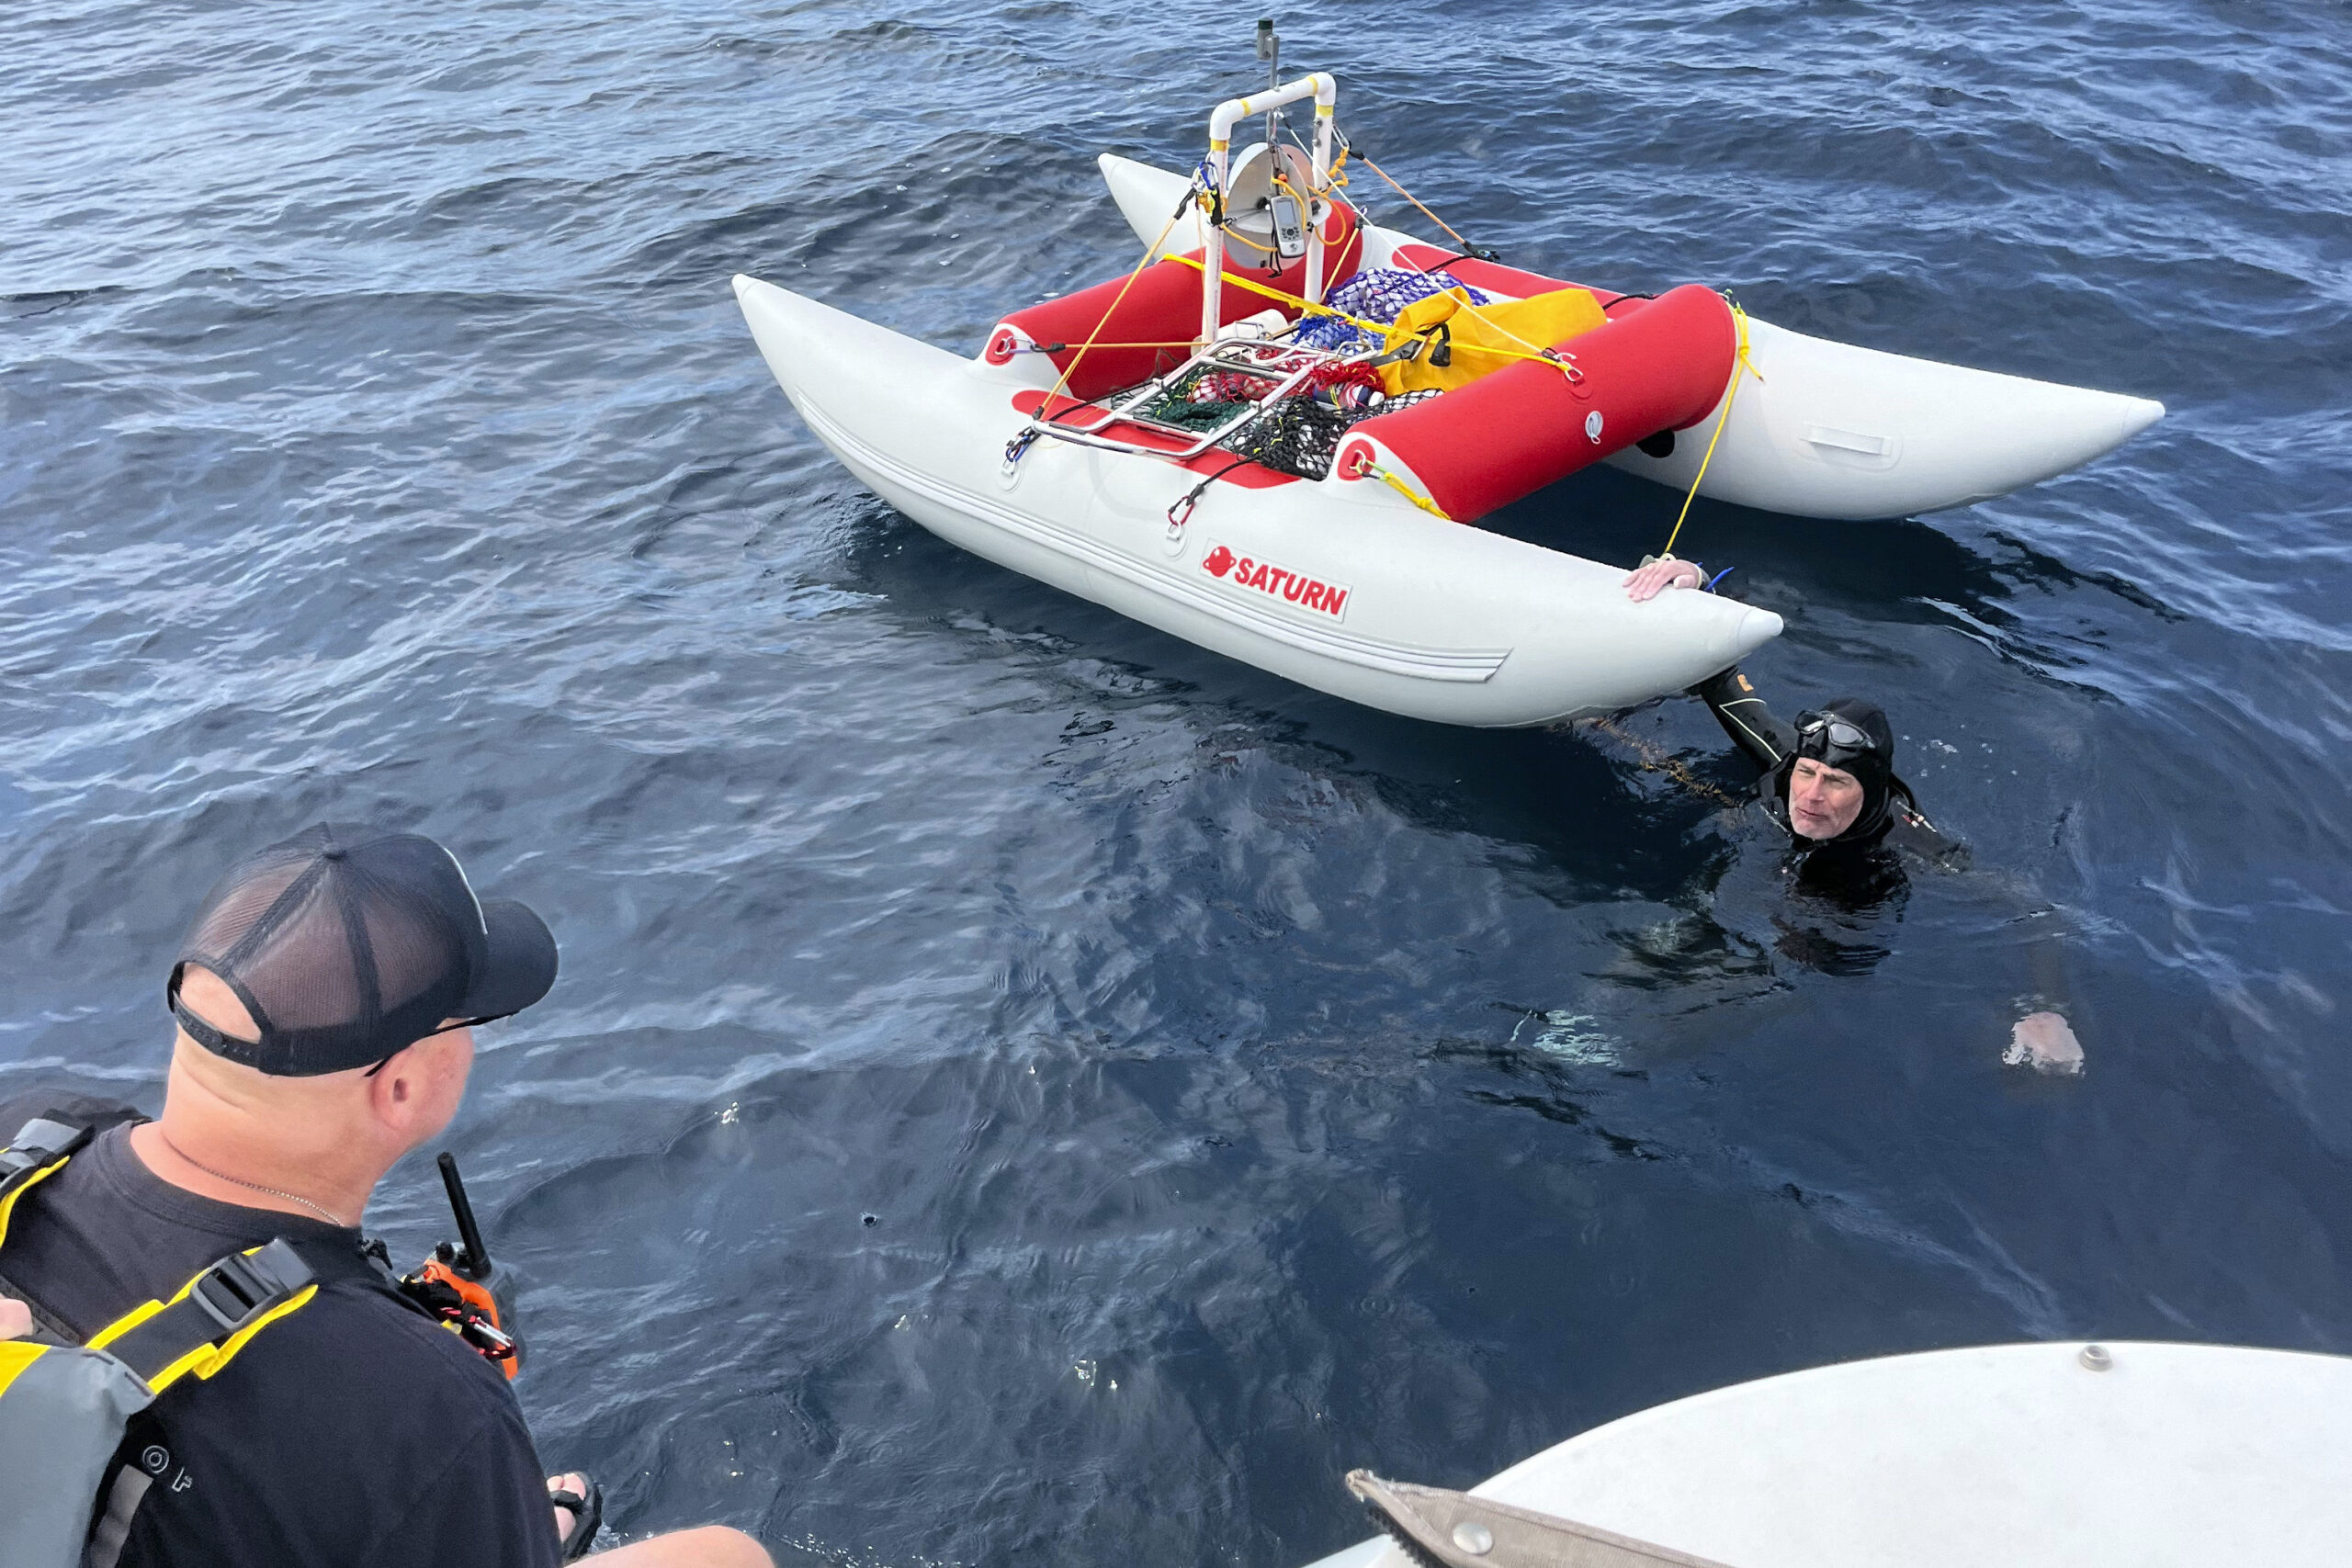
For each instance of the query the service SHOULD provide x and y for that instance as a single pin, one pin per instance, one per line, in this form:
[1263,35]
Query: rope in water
[1656,761]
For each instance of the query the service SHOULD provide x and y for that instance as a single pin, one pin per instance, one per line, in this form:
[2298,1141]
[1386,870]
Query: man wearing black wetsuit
[1828,779]
[1828,782]
[326,998]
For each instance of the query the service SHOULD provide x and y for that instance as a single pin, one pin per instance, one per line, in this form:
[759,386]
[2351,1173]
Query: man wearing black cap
[326,996]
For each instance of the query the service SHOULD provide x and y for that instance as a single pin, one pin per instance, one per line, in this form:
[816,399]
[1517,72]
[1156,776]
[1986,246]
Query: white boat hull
[2174,1456]
[1829,430]
[1345,588]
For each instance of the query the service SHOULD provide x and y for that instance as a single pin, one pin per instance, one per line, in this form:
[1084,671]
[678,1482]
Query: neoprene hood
[1872,767]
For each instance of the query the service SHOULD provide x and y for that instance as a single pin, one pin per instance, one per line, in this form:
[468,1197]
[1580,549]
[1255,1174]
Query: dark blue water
[1242,1085]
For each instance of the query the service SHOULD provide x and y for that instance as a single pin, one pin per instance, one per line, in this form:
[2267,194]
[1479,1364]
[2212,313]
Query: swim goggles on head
[1818,734]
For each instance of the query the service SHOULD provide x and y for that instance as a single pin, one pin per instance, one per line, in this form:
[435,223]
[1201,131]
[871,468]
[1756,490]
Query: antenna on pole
[1269,49]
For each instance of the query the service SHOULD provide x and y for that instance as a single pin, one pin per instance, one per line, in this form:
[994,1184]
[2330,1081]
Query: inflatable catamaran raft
[1272,437]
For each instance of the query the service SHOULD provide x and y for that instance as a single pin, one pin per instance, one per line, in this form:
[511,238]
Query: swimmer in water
[1828,779]
[1828,782]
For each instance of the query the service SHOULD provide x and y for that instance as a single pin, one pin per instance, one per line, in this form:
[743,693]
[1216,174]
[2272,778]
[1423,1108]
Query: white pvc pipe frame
[1222,120]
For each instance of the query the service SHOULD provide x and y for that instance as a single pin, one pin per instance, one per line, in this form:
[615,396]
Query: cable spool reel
[1264,217]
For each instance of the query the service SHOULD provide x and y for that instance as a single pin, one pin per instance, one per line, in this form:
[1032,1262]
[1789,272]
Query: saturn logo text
[1277,583]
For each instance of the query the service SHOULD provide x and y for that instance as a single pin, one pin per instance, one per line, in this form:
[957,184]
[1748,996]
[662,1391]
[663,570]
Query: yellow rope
[1739,363]
[1376,328]
[1535,350]
[1401,488]
[1538,351]
[1150,254]
[1375,470]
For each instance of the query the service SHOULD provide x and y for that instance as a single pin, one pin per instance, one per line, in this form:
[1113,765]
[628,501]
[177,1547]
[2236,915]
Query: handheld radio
[454,1283]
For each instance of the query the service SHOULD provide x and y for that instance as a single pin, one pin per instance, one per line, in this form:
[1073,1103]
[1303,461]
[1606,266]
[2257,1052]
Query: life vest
[63,1408]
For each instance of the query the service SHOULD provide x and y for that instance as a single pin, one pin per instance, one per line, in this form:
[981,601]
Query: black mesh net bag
[1301,434]
[1297,435]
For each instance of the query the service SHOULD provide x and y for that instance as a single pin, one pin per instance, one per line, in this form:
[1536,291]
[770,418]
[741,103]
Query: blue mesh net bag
[1374,296]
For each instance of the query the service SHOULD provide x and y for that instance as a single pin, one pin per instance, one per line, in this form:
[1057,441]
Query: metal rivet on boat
[2096,1359]
[1475,1538]
[1592,426]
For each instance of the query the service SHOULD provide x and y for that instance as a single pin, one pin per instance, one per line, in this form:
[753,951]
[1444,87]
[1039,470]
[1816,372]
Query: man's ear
[406,1089]
[394,1088]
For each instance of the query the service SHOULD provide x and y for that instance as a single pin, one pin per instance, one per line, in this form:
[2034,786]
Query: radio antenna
[473,1258]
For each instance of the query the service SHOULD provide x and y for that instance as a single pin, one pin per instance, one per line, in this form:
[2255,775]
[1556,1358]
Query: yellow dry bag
[1461,341]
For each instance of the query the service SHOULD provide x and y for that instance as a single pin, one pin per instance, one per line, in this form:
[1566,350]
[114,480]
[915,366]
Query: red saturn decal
[1277,583]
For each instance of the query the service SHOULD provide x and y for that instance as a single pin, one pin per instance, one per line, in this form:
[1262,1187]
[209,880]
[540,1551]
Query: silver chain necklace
[249,1186]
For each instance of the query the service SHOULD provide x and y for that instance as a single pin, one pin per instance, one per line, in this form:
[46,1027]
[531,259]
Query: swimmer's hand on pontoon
[1652,577]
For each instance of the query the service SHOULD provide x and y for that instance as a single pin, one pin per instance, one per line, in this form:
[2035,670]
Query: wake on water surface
[1332,1089]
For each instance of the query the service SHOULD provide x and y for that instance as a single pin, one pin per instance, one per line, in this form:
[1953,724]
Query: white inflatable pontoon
[1051,451]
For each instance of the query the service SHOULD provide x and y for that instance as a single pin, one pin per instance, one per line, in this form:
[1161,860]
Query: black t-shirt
[354,1433]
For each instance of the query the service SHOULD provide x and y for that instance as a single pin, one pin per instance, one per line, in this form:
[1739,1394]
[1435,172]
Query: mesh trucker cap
[348,944]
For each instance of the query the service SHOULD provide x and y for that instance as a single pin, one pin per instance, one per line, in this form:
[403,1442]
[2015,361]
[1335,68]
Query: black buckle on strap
[241,1288]
[41,1142]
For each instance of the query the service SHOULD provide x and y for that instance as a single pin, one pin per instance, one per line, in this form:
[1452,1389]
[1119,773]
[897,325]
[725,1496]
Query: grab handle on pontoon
[1317,86]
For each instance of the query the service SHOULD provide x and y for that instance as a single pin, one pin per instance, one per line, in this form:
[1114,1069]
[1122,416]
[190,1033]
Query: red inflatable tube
[1513,433]
[1164,307]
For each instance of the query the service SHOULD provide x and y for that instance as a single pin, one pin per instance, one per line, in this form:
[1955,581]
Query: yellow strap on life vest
[15,1355]
[205,1360]
[8,1204]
